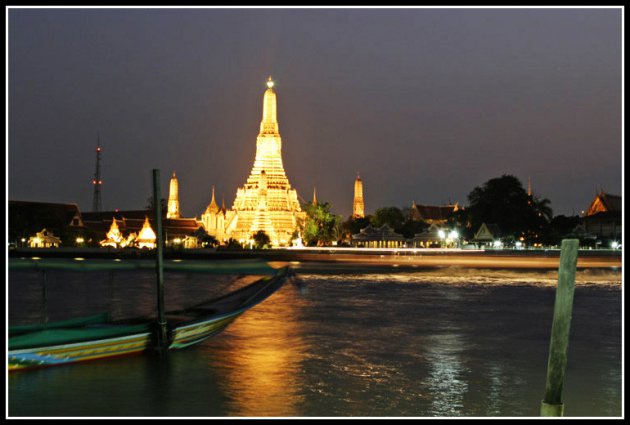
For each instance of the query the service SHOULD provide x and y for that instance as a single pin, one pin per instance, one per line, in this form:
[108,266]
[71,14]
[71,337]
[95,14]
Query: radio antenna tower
[97,182]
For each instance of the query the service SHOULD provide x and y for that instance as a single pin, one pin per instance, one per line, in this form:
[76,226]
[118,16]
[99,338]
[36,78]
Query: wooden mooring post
[563,309]
[161,339]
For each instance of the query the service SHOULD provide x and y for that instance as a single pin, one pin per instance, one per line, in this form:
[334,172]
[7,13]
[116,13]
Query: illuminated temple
[266,201]
[172,210]
[358,207]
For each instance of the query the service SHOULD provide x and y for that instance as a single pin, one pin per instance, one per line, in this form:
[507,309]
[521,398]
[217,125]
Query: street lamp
[453,236]
[442,235]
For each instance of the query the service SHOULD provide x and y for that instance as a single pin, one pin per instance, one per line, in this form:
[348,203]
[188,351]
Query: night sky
[425,103]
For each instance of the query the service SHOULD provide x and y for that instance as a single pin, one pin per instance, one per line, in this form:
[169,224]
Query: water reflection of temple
[263,358]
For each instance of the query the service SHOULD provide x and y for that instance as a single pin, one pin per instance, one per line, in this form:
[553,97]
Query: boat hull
[77,347]
[78,352]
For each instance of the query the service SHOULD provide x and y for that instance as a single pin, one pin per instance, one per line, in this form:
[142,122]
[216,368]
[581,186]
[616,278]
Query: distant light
[614,245]
[98,149]
[116,209]
[441,234]
[518,244]
[35,258]
[497,244]
[177,240]
[453,234]
[79,259]
[80,240]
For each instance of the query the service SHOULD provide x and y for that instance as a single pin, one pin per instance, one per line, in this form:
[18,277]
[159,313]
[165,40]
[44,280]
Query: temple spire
[358,207]
[173,199]
[269,123]
[314,196]
[213,207]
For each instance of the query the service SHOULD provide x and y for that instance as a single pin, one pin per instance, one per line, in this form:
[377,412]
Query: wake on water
[460,276]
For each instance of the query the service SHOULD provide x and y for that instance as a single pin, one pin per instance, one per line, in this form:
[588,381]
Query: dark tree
[411,227]
[354,225]
[204,238]
[561,227]
[261,239]
[392,216]
[460,221]
[233,244]
[503,201]
[542,208]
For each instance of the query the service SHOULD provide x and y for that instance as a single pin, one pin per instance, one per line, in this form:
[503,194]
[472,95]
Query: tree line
[502,201]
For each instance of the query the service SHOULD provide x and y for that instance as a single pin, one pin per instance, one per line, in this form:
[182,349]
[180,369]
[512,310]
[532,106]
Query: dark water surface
[449,342]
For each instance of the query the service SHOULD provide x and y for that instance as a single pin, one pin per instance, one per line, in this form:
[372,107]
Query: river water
[444,342]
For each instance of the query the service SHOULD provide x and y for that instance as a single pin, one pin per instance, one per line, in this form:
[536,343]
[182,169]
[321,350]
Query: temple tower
[266,201]
[173,199]
[214,219]
[358,209]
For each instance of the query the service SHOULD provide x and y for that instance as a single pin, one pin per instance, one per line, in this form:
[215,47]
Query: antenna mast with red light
[97,182]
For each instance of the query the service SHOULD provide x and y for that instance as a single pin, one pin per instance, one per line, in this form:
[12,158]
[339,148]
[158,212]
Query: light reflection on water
[427,343]
[445,381]
[259,364]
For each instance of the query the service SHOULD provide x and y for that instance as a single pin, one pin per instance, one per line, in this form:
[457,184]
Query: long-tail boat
[96,337]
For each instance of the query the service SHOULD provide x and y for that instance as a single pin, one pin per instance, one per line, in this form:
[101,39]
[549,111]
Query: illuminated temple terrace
[266,201]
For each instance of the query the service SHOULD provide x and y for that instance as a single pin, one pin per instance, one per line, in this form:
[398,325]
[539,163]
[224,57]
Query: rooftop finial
[270,82]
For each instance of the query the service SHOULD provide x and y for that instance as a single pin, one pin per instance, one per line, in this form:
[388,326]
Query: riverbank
[335,257]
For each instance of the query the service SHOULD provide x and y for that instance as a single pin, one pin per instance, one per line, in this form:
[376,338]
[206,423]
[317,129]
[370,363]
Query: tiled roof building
[602,221]
[378,237]
[26,218]
[432,214]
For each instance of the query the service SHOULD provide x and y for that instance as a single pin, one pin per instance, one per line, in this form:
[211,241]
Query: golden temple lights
[173,199]
[146,237]
[358,207]
[267,201]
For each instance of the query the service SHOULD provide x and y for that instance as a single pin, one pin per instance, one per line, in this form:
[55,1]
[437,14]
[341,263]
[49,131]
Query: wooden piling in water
[563,308]
[161,337]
